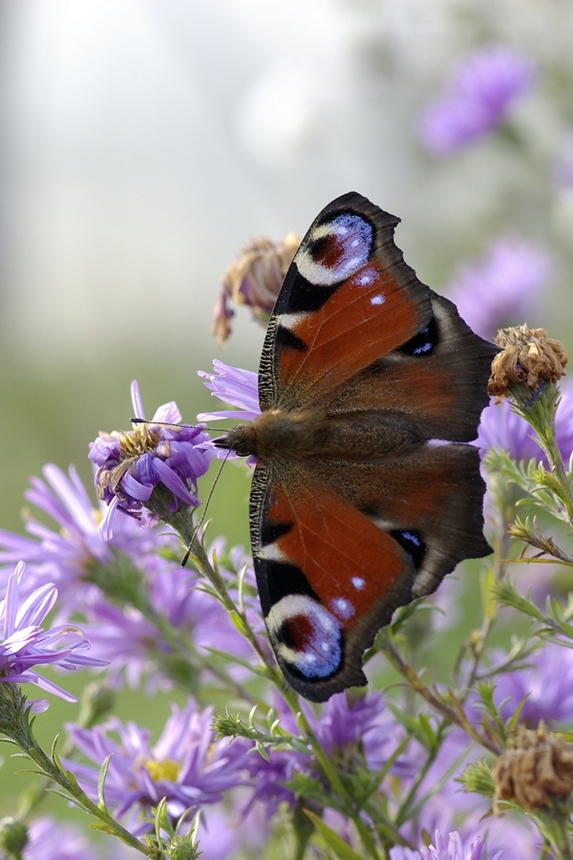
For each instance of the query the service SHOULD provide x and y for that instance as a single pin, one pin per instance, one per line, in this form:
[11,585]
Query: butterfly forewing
[347,299]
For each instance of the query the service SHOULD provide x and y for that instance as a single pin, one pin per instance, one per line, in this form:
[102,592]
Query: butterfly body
[365,493]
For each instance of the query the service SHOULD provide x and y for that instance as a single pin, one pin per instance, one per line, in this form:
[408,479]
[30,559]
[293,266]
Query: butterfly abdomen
[368,436]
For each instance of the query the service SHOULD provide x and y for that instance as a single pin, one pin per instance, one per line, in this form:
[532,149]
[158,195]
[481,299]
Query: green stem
[204,566]
[331,773]
[15,725]
[456,716]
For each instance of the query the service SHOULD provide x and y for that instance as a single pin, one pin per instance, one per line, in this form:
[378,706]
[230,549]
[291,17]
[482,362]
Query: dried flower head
[527,356]
[536,769]
[254,280]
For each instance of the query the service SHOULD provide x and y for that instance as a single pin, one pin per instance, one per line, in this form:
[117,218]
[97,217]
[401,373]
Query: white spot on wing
[343,607]
[378,300]
[290,320]
[358,583]
[271,552]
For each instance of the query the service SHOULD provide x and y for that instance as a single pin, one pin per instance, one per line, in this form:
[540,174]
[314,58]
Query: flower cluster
[240,765]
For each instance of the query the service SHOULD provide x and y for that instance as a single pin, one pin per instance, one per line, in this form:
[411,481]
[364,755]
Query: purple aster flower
[454,849]
[346,728]
[67,553]
[480,94]
[136,646]
[504,288]
[160,454]
[187,766]
[348,731]
[238,387]
[25,644]
[501,427]
[232,385]
[543,683]
[49,838]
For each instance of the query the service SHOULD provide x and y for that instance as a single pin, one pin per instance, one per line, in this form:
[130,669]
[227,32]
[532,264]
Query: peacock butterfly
[365,493]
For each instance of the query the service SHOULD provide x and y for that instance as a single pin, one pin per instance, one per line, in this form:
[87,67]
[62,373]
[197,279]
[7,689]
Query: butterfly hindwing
[321,566]
[338,547]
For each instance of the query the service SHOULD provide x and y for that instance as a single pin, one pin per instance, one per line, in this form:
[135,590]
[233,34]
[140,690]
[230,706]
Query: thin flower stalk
[453,715]
[17,728]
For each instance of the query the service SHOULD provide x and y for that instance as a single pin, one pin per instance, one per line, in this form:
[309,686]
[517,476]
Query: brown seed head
[537,768]
[254,279]
[528,355]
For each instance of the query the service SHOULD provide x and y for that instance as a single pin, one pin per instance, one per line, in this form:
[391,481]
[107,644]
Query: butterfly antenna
[185,558]
[174,424]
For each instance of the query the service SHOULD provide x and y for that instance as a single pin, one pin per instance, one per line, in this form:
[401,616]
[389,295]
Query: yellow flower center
[165,769]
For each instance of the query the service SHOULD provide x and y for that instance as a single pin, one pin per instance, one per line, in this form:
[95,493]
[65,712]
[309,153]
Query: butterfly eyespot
[306,636]
[336,250]
[412,543]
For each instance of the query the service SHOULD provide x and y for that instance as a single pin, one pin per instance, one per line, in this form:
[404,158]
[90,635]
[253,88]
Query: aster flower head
[24,644]
[542,687]
[66,551]
[480,94]
[187,765]
[502,427]
[351,732]
[503,288]
[536,771]
[453,849]
[152,470]
[254,279]
[139,650]
[528,357]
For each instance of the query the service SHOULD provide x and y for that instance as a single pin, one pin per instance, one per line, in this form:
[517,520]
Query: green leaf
[335,842]
[101,784]
[238,622]
[262,751]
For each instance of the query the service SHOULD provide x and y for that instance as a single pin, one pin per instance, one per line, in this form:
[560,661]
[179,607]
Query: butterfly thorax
[302,434]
